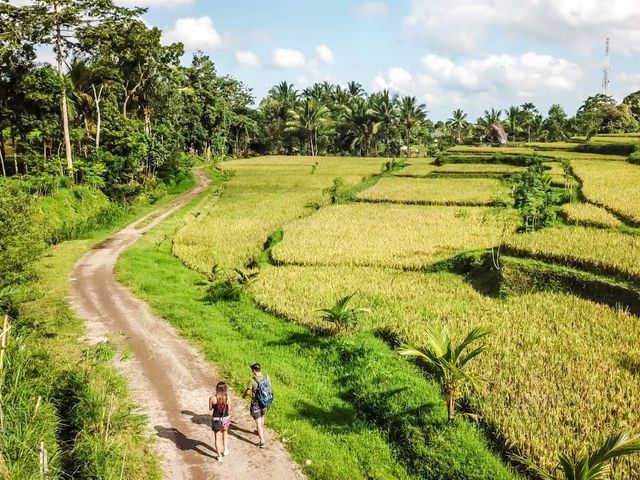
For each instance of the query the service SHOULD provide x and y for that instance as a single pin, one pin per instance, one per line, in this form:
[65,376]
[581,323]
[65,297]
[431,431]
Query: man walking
[261,398]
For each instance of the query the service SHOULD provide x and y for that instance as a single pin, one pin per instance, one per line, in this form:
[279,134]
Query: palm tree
[530,117]
[384,109]
[362,125]
[587,466]
[309,117]
[448,361]
[458,123]
[411,115]
[355,89]
[514,120]
[342,315]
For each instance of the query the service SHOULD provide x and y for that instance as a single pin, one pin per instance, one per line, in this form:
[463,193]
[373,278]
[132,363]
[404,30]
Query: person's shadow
[183,442]
[234,430]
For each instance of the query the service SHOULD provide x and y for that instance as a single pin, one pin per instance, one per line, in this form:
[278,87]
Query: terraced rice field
[489,149]
[396,236]
[262,195]
[598,250]
[579,156]
[587,214]
[417,168]
[540,388]
[437,191]
[613,185]
[479,168]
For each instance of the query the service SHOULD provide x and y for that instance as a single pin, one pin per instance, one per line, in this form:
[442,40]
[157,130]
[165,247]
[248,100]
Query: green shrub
[607,148]
[339,192]
[635,158]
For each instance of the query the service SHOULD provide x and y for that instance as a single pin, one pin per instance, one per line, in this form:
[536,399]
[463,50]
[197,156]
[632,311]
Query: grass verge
[61,394]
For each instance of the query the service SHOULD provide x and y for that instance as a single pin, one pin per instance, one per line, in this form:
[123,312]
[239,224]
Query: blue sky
[472,54]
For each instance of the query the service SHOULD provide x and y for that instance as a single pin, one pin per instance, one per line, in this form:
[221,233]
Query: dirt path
[167,375]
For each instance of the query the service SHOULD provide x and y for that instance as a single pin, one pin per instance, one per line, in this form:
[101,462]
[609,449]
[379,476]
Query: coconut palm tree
[514,121]
[410,116]
[384,109]
[587,466]
[448,361]
[342,315]
[355,89]
[458,123]
[362,125]
[310,117]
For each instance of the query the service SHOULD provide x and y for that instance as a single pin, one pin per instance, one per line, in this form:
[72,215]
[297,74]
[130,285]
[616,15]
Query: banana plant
[447,361]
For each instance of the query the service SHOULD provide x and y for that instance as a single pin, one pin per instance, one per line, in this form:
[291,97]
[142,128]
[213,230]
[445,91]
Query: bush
[607,148]
[21,241]
[339,192]
[635,158]
[225,290]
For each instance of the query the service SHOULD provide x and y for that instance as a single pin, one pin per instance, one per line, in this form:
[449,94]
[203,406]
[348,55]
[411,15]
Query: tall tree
[410,116]
[310,117]
[59,23]
[458,123]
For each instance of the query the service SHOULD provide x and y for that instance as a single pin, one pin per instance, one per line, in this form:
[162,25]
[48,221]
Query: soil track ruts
[168,377]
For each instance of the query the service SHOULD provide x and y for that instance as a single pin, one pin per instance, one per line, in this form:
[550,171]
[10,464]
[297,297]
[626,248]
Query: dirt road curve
[168,377]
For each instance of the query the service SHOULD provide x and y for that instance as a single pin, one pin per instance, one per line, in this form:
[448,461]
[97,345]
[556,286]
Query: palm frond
[531,467]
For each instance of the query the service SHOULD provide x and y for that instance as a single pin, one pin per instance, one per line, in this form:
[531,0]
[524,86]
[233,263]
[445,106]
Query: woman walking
[220,419]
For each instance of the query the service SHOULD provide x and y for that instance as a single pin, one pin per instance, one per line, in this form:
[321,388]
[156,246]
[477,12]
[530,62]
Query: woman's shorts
[220,424]
[257,411]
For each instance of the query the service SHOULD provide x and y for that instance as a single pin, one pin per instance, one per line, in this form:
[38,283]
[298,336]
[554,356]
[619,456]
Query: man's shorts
[257,411]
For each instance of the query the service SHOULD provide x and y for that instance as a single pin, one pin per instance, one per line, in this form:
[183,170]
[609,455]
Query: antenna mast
[605,70]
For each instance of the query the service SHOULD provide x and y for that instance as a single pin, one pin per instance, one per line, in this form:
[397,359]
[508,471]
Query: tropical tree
[530,119]
[490,118]
[410,116]
[343,316]
[587,465]
[310,117]
[355,89]
[448,362]
[362,125]
[458,123]
[514,121]
[555,125]
[385,111]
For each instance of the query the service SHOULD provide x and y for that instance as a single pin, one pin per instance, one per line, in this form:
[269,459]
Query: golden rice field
[588,214]
[417,168]
[602,251]
[437,191]
[479,168]
[550,145]
[490,149]
[560,372]
[579,156]
[613,185]
[397,236]
[622,138]
[262,195]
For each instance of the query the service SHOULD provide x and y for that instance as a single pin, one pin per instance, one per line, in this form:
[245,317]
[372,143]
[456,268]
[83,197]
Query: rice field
[437,191]
[262,195]
[622,138]
[417,168]
[540,390]
[612,185]
[587,214]
[579,156]
[490,149]
[396,236]
[479,168]
[598,250]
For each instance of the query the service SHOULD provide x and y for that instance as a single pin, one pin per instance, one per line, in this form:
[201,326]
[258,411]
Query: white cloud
[154,3]
[370,9]
[628,82]
[465,24]
[194,33]
[248,58]
[325,54]
[288,58]
[483,81]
